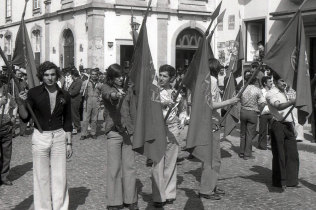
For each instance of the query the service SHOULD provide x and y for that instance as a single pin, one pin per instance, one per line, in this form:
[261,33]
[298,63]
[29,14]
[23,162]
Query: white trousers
[164,173]
[49,170]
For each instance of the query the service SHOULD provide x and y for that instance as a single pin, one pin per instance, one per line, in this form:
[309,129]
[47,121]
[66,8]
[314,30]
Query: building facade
[97,33]
[264,21]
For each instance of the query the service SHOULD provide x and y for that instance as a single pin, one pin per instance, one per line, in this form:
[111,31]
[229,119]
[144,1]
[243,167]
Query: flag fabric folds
[234,115]
[235,63]
[288,58]
[149,133]
[234,70]
[23,55]
[198,80]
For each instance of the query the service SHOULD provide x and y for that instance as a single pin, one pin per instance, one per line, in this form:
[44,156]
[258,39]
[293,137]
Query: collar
[43,89]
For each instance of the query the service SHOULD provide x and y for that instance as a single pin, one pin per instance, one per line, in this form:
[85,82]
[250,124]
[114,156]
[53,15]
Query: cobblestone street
[247,183]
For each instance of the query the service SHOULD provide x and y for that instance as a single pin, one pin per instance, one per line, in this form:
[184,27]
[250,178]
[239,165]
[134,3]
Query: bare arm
[218,105]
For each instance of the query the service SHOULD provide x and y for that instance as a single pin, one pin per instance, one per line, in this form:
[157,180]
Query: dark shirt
[74,90]
[118,119]
[38,98]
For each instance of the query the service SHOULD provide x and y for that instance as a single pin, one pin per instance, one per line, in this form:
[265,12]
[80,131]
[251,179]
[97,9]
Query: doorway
[186,45]
[69,51]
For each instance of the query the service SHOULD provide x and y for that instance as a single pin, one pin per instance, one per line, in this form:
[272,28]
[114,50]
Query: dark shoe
[159,204]
[170,201]
[211,197]
[133,206]
[262,148]
[83,137]
[299,140]
[6,182]
[149,162]
[94,136]
[249,157]
[241,155]
[114,207]
[219,191]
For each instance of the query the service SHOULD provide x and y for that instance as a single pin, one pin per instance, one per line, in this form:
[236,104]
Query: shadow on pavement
[194,202]
[146,197]
[26,204]
[308,185]
[77,197]
[225,154]
[232,147]
[196,173]
[263,176]
[18,171]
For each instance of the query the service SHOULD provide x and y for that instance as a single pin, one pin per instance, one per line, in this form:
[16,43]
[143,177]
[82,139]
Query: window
[36,45]
[231,22]
[8,45]
[220,25]
[8,8]
[36,4]
[255,33]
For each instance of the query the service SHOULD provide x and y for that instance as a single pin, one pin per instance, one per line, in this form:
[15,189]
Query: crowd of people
[68,103]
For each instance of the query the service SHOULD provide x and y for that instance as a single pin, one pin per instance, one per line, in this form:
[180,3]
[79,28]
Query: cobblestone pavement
[247,183]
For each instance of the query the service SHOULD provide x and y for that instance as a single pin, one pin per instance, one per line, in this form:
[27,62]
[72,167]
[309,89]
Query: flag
[288,58]
[234,70]
[235,63]
[23,55]
[216,11]
[234,115]
[198,80]
[149,133]
[209,38]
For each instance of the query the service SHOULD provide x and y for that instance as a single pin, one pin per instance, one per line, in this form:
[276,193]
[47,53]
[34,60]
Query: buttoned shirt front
[275,95]
[38,98]
[119,115]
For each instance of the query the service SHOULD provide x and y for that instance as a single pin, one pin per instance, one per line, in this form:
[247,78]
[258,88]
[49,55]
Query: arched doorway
[186,44]
[69,51]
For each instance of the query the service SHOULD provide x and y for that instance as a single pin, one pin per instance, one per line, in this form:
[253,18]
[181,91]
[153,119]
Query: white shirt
[165,96]
[266,109]
[273,96]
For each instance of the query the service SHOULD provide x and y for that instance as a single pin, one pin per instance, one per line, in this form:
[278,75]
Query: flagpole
[297,63]
[28,106]
[213,18]
[240,93]
[209,37]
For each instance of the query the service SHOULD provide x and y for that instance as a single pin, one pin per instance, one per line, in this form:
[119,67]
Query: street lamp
[134,25]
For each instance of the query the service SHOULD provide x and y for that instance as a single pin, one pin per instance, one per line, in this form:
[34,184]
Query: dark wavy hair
[167,68]
[248,76]
[215,66]
[47,65]
[114,71]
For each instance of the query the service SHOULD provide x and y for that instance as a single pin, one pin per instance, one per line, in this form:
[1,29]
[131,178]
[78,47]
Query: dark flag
[235,63]
[150,135]
[198,80]
[234,115]
[234,70]
[216,11]
[288,58]
[23,55]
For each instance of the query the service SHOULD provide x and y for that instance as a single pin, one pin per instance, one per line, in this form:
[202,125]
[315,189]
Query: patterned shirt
[251,98]
[166,96]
